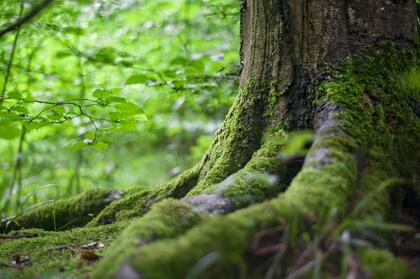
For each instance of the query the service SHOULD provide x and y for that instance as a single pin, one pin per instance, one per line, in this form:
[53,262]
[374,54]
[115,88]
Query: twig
[26,18]
[12,55]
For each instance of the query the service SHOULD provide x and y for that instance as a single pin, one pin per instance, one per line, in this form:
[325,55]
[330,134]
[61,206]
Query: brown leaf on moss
[89,256]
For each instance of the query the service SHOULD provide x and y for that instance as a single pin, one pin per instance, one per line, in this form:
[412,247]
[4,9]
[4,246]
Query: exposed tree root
[364,138]
[267,173]
[166,219]
[314,190]
[138,201]
[63,214]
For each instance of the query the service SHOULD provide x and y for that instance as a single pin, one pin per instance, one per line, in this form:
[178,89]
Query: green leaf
[8,116]
[141,117]
[21,109]
[100,145]
[14,94]
[198,65]
[179,60]
[178,83]
[107,139]
[114,99]
[128,125]
[128,108]
[62,54]
[115,115]
[9,132]
[101,93]
[78,146]
[54,116]
[37,125]
[136,79]
[59,110]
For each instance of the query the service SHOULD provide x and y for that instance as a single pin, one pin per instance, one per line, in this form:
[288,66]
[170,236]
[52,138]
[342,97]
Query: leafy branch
[72,102]
[26,18]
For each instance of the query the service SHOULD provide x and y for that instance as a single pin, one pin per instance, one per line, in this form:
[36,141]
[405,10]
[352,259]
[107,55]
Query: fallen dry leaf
[89,256]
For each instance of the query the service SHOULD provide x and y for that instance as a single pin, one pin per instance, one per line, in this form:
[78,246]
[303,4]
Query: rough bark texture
[335,67]
[290,42]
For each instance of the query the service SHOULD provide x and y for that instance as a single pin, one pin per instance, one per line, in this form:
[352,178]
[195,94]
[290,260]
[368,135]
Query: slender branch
[12,55]
[67,102]
[26,18]
[16,170]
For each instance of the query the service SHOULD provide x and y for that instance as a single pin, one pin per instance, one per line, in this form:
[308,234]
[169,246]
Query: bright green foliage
[122,88]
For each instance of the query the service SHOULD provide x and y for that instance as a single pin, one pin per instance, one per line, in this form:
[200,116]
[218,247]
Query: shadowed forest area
[209,139]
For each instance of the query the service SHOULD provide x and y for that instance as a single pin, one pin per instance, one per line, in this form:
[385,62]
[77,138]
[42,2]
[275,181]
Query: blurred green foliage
[110,93]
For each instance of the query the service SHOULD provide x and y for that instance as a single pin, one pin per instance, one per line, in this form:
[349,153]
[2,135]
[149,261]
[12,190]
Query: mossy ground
[166,219]
[53,254]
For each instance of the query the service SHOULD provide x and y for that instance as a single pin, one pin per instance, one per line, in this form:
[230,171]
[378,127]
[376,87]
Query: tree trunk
[337,68]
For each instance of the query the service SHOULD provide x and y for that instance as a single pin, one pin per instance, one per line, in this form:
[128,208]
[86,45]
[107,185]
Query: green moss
[228,237]
[135,202]
[177,258]
[379,113]
[313,191]
[237,140]
[138,202]
[374,187]
[378,104]
[166,219]
[365,91]
[382,264]
[64,214]
[265,175]
[54,254]
[214,249]
[377,121]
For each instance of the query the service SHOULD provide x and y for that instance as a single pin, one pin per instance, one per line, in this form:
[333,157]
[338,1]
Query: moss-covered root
[382,264]
[166,219]
[239,137]
[36,253]
[217,246]
[63,214]
[268,173]
[138,202]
